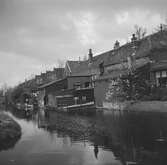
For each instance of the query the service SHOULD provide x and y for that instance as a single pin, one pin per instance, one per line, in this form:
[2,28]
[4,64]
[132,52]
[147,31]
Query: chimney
[116,45]
[79,60]
[90,55]
[134,38]
[134,42]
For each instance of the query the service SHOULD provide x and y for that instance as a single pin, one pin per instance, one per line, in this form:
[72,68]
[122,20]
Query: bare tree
[140,32]
[165,24]
[161,27]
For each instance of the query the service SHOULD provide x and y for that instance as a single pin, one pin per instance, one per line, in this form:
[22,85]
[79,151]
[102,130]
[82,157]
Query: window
[161,78]
[164,74]
[39,81]
[87,84]
[84,98]
[157,75]
[101,67]
[163,82]
[77,85]
[76,100]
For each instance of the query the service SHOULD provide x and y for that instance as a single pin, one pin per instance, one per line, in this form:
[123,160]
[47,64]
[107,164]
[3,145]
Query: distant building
[63,92]
[55,74]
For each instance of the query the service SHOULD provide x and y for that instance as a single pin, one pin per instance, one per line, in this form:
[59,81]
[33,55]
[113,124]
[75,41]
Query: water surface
[118,138]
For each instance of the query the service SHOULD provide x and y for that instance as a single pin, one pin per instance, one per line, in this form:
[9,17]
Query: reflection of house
[108,66]
[68,91]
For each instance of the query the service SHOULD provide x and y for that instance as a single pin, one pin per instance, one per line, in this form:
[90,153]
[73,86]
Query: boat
[79,101]
[73,94]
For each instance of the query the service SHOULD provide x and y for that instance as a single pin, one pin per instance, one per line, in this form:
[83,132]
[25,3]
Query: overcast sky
[35,34]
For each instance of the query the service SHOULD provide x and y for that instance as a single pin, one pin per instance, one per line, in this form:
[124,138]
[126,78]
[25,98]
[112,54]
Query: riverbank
[149,106]
[141,106]
[9,129]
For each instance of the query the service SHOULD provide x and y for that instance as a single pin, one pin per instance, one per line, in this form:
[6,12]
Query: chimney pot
[134,38]
[90,55]
[116,45]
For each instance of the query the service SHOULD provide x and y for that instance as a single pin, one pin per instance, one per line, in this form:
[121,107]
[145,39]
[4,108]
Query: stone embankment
[139,106]
[10,130]
[149,106]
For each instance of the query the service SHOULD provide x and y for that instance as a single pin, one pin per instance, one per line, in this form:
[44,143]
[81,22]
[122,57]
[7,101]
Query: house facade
[108,67]
[68,91]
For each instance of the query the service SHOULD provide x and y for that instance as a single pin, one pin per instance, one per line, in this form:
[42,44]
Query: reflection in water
[115,137]
[96,150]
[134,138]
[8,144]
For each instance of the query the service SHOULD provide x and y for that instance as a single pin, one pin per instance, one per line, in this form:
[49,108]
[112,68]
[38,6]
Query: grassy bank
[9,129]
[140,106]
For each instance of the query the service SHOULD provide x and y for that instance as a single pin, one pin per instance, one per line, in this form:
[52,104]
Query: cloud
[39,32]
[123,17]
[144,18]
[84,24]
[16,68]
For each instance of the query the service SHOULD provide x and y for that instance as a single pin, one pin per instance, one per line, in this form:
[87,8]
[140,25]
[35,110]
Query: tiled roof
[123,71]
[82,67]
[144,46]
[116,56]
[50,83]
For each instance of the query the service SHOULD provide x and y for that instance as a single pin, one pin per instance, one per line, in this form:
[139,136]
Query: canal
[110,138]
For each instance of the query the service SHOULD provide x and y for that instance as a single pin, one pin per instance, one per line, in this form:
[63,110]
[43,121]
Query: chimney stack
[79,60]
[134,38]
[116,45]
[90,55]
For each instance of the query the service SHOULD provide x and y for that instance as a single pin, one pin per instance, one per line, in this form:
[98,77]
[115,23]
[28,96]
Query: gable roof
[50,83]
[60,80]
[83,67]
[159,66]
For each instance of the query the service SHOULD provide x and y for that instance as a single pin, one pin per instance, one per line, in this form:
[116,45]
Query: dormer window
[101,67]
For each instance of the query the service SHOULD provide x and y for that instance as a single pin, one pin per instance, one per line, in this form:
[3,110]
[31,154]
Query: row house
[70,90]
[48,76]
[107,67]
